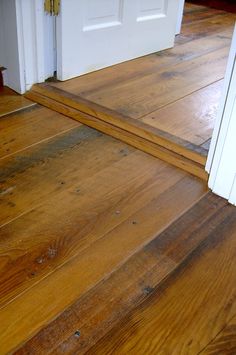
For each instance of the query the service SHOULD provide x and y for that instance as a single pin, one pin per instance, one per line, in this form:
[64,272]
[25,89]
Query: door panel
[93,34]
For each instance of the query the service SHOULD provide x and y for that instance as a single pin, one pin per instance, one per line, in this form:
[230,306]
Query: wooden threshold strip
[89,118]
[137,127]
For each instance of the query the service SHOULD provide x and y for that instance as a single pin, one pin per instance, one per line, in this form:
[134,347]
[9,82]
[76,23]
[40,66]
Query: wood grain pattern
[108,244]
[125,136]
[168,98]
[129,285]
[51,166]
[106,249]
[139,128]
[140,96]
[188,49]
[11,101]
[191,307]
[29,126]
[224,342]
[198,110]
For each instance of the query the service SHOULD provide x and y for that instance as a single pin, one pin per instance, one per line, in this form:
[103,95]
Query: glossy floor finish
[106,249]
[11,102]
[168,99]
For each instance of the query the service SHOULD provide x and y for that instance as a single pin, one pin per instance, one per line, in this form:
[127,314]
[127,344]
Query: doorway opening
[166,101]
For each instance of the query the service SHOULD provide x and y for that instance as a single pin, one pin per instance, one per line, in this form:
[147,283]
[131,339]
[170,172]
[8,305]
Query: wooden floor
[106,249]
[11,102]
[169,99]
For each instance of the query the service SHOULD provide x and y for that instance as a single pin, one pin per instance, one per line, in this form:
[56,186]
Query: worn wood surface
[75,205]
[11,101]
[146,145]
[140,128]
[106,249]
[224,342]
[168,98]
[198,109]
[130,285]
[191,306]
[23,128]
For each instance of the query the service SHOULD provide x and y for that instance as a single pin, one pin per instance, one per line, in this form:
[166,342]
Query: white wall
[10,51]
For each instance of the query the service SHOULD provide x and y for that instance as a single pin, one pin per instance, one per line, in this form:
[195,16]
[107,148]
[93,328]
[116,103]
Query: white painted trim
[219,124]
[223,164]
[27,37]
[232,197]
[180,16]
[36,38]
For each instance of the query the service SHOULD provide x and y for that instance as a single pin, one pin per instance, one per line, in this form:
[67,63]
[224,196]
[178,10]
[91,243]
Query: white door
[93,34]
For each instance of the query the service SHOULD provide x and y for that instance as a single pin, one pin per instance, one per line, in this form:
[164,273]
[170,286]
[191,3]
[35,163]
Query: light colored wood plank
[140,96]
[123,73]
[191,118]
[126,123]
[122,134]
[79,207]
[42,301]
[11,101]
[30,126]
[29,178]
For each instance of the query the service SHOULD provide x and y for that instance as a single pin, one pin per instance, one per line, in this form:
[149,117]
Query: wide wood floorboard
[29,126]
[199,109]
[75,205]
[224,342]
[106,249]
[169,99]
[191,307]
[10,101]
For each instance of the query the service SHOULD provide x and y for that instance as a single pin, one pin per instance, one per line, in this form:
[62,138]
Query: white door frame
[180,16]
[32,43]
[221,162]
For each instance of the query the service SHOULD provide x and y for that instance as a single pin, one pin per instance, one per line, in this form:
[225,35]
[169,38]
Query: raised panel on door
[93,34]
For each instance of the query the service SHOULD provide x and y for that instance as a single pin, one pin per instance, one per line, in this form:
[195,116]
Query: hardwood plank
[83,216]
[192,306]
[30,177]
[226,5]
[94,314]
[41,302]
[200,13]
[188,7]
[156,90]
[194,115]
[140,129]
[152,85]
[92,83]
[205,27]
[224,342]
[130,138]
[30,126]
[10,101]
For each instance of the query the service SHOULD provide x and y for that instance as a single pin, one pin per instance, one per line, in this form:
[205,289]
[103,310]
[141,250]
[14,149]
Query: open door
[93,34]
